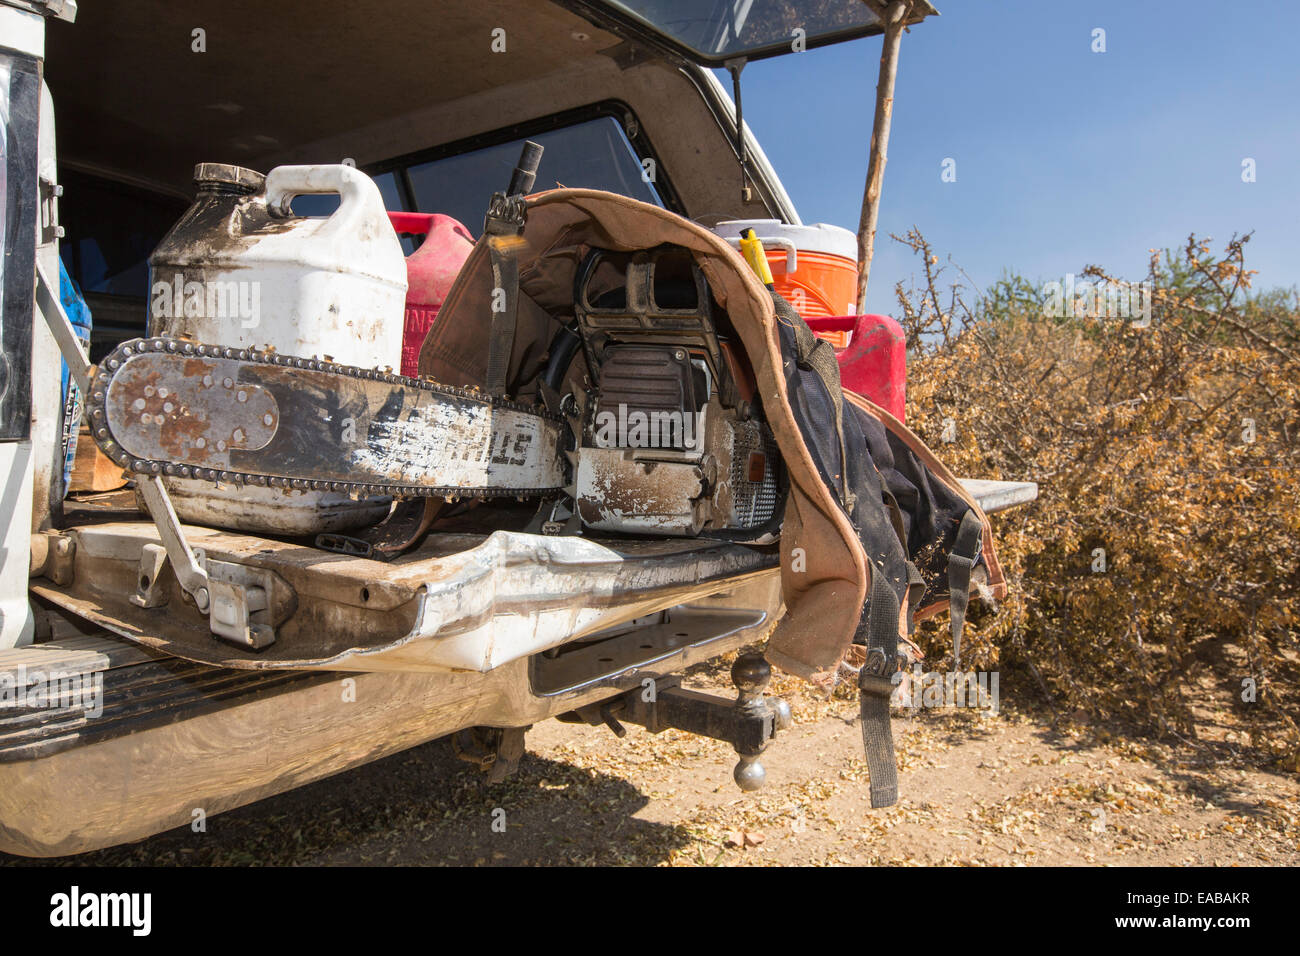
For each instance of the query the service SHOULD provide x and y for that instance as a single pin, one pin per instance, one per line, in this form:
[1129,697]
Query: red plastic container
[874,364]
[430,271]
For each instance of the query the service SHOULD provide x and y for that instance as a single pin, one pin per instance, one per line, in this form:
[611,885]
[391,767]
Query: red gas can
[430,271]
[874,363]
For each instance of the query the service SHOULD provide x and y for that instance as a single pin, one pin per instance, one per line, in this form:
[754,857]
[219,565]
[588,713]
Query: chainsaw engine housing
[671,444]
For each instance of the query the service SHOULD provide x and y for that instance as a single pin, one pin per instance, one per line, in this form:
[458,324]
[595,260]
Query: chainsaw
[175,409]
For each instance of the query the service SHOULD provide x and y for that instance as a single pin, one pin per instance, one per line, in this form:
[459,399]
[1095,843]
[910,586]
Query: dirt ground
[1005,790]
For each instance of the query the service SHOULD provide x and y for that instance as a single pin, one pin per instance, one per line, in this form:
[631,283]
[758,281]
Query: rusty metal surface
[619,492]
[170,408]
[459,602]
[731,486]
[203,417]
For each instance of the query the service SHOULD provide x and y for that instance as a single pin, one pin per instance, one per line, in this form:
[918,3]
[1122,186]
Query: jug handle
[357,192]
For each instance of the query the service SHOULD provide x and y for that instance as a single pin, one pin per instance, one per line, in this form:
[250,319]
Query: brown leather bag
[826,597]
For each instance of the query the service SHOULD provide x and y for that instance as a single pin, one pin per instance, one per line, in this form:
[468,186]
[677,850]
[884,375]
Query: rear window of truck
[593,154]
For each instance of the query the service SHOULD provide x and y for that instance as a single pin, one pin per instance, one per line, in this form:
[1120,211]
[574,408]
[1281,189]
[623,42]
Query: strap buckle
[961,561]
[875,677]
[506,215]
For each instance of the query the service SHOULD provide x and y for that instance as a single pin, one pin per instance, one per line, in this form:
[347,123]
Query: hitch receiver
[748,723]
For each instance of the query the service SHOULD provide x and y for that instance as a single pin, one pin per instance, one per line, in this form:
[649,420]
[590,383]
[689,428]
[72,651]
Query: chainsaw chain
[96,413]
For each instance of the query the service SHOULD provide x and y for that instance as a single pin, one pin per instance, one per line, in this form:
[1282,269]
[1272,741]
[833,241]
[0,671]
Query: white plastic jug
[241,270]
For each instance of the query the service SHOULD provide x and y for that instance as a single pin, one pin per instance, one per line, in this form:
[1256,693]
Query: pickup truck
[487,626]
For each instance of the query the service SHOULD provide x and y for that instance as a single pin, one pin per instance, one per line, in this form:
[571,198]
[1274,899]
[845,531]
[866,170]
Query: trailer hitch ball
[749,774]
[784,718]
[748,723]
[751,674]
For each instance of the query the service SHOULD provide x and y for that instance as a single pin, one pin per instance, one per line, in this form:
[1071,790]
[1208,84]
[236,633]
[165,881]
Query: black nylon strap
[895,513]
[915,594]
[818,355]
[961,562]
[505,277]
[875,686]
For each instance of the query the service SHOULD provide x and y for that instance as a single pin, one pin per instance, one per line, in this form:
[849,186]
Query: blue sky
[1064,157]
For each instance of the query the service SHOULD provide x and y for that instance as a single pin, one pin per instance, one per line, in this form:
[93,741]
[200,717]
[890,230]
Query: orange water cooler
[815,268]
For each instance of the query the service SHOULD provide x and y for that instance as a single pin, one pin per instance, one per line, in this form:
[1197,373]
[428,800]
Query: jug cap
[225,176]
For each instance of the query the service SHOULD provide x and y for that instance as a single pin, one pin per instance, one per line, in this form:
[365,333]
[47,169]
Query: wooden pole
[894,20]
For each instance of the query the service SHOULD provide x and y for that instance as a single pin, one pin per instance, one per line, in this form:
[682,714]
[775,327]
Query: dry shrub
[1171,447]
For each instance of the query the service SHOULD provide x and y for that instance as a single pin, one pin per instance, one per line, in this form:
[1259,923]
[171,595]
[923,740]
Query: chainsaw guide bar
[172,408]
